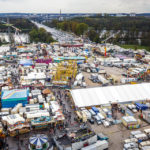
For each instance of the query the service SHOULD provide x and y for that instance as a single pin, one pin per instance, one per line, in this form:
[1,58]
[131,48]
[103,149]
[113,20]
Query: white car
[134,110]
[106,123]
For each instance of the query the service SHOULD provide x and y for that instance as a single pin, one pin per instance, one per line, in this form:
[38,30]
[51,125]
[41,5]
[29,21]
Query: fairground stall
[42,122]
[38,142]
[15,124]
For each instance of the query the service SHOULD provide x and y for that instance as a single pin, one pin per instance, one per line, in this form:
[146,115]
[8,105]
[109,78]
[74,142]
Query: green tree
[93,36]
[81,28]
[33,34]
[40,35]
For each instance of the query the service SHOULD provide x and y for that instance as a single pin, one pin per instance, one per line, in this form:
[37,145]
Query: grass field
[135,47]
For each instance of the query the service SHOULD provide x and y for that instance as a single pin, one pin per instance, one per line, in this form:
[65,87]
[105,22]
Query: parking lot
[116,133]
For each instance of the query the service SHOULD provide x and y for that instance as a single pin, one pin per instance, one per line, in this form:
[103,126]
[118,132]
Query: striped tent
[38,140]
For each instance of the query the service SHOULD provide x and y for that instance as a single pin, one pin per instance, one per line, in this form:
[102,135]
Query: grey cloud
[97,6]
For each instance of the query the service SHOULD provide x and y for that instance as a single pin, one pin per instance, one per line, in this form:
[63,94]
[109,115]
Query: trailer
[134,140]
[95,110]
[147,131]
[141,137]
[143,144]
[140,106]
[100,116]
[92,112]
[133,133]
[103,80]
[87,113]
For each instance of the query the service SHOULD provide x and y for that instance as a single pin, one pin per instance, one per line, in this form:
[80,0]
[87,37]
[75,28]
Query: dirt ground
[117,72]
[88,81]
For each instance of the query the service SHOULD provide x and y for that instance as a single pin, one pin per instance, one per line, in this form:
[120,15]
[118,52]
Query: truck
[99,145]
[100,116]
[95,110]
[92,112]
[98,119]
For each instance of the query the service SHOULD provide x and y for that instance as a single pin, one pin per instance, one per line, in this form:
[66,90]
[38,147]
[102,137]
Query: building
[10,98]
[111,94]
[132,14]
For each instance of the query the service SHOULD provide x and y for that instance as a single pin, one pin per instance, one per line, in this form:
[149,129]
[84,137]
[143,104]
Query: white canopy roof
[110,94]
[12,119]
[35,76]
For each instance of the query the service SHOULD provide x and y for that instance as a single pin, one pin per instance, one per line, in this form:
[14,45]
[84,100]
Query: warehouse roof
[110,94]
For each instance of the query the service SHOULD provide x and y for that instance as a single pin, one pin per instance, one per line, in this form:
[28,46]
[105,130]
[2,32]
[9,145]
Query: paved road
[56,34]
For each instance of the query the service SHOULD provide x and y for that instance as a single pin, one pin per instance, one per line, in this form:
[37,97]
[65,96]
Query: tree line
[133,30]
[116,23]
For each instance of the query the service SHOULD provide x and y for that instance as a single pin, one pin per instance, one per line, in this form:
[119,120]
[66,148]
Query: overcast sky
[75,6]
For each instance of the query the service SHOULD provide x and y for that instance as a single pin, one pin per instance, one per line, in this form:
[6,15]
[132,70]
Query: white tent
[110,94]
[4,48]
[12,119]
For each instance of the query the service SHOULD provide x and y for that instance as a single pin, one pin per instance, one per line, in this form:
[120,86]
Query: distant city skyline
[74,6]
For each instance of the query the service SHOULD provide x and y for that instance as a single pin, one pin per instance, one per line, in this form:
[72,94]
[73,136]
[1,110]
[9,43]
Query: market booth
[42,122]
[15,124]
[38,142]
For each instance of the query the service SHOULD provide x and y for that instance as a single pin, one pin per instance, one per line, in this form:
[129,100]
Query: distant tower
[60,16]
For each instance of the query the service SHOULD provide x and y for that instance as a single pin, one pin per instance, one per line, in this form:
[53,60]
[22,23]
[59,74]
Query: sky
[75,6]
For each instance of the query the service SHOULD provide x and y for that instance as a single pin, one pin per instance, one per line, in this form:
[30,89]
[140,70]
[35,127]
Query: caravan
[87,113]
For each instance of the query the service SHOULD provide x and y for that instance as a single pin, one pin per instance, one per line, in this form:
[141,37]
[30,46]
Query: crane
[111,36]
[17,30]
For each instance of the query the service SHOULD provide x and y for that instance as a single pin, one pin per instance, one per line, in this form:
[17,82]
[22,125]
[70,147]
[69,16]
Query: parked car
[106,123]
[97,119]
[101,136]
